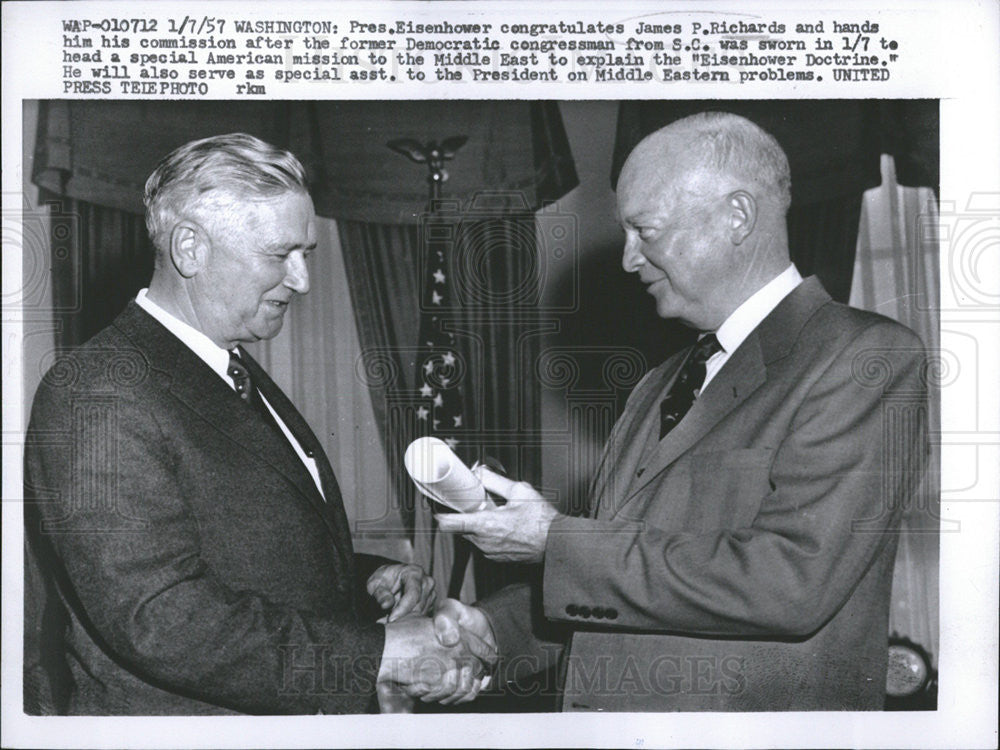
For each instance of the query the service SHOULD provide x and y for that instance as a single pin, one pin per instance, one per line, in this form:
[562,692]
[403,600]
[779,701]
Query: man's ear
[189,248]
[742,215]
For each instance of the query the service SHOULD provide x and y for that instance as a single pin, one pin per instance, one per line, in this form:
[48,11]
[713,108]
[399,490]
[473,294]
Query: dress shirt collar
[213,355]
[758,306]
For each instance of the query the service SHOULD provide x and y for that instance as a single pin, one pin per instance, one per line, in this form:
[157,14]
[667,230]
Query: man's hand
[424,667]
[515,532]
[454,620]
[405,589]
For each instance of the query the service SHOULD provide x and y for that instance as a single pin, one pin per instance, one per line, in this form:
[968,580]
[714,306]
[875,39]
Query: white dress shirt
[748,316]
[218,359]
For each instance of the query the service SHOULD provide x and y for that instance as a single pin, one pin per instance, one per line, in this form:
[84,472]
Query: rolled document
[440,475]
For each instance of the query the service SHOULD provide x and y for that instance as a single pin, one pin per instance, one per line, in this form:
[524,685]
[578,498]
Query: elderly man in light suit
[181,505]
[739,547]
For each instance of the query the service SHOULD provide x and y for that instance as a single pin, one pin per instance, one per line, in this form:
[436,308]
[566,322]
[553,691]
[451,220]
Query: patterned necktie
[247,391]
[687,385]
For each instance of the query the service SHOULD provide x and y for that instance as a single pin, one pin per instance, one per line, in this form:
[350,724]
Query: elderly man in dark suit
[184,510]
[739,547]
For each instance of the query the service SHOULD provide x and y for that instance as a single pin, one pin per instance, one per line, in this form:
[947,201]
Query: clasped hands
[446,659]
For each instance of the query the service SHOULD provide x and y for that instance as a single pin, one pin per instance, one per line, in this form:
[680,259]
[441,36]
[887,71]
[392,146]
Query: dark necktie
[685,388]
[247,391]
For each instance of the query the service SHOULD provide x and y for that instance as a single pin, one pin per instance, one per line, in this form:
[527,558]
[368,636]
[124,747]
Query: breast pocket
[727,488]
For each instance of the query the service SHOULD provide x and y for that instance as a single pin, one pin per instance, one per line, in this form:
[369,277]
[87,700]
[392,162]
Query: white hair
[212,173]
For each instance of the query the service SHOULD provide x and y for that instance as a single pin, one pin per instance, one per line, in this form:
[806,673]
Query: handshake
[445,659]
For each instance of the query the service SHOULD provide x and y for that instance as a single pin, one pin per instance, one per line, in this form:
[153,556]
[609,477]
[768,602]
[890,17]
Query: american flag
[441,368]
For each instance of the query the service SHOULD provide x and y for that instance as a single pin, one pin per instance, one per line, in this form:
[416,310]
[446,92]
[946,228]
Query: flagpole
[434,155]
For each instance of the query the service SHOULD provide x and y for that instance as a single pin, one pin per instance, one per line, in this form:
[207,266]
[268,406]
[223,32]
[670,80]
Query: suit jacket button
[310,453]
[571,610]
[598,612]
[611,613]
[584,611]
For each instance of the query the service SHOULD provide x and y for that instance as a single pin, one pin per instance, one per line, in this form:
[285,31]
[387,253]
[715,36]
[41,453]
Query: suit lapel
[189,379]
[625,448]
[743,373]
[332,509]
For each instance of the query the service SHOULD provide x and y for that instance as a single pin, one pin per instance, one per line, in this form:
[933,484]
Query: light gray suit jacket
[744,562]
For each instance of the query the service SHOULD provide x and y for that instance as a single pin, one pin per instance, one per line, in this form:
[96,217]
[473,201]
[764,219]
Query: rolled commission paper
[440,475]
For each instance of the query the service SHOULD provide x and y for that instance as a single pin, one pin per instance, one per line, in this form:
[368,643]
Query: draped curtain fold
[383,265]
[516,148]
[100,258]
[896,273]
[493,184]
[102,152]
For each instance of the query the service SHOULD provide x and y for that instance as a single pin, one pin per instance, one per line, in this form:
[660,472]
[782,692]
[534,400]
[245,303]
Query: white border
[956,59]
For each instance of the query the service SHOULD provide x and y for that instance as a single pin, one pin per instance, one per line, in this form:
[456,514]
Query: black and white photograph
[480,410]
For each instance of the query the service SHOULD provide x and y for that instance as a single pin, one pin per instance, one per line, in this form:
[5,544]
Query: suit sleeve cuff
[580,557]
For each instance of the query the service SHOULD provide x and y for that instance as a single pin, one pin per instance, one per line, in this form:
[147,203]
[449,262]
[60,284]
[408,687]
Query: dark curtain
[494,268]
[498,270]
[824,237]
[515,147]
[910,132]
[102,151]
[100,258]
[382,264]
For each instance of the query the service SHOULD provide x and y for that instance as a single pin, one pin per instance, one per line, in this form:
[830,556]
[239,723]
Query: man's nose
[297,273]
[632,259]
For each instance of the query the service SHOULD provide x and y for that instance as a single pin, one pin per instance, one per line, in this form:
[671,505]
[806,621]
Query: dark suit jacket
[744,562]
[199,569]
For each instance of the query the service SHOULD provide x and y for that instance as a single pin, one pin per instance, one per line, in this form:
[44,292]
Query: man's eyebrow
[289,246]
[637,218]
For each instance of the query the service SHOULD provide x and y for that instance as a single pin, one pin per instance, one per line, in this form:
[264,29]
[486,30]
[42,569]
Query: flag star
[437,423]
[452,442]
[449,359]
[428,367]
[436,298]
[426,391]
[422,413]
[439,276]
[458,420]
[438,401]
[430,344]
[440,255]
[444,382]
